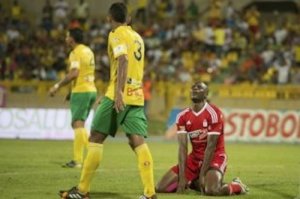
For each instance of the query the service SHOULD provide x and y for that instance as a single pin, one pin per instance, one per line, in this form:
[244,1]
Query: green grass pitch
[32,169]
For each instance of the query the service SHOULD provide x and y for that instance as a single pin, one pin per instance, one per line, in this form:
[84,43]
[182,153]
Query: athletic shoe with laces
[244,187]
[72,164]
[73,193]
[145,197]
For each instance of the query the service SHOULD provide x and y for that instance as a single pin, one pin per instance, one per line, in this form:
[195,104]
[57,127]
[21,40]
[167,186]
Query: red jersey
[197,125]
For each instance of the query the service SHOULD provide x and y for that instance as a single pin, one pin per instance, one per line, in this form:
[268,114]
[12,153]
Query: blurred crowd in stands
[183,41]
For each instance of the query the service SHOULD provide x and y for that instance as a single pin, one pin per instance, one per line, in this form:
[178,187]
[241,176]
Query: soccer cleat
[244,188]
[72,164]
[73,193]
[145,197]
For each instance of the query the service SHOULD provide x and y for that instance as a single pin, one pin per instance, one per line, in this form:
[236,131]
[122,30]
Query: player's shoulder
[118,32]
[214,107]
[81,49]
[183,113]
[213,110]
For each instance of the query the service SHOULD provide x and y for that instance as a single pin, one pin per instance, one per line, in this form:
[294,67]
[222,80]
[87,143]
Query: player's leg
[91,163]
[80,107]
[104,124]
[145,164]
[134,123]
[214,185]
[168,183]
[80,136]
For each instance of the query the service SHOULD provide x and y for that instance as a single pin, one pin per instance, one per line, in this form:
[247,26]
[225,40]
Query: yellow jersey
[82,57]
[125,41]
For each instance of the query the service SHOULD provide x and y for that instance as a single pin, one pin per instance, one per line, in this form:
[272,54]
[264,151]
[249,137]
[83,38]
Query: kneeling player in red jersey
[203,169]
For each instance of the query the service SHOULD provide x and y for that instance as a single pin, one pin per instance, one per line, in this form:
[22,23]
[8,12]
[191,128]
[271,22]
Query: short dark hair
[76,34]
[118,11]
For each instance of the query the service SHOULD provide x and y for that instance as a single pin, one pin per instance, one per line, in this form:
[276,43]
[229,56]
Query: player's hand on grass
[119,102]
[201,182]
[53,90]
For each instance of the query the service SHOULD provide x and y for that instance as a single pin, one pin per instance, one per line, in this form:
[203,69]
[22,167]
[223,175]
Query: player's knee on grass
[171,188]
[168,183]
[213,182]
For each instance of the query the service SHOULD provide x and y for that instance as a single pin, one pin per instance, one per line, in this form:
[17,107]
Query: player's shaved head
[199,92]
[118,12]
[202,84]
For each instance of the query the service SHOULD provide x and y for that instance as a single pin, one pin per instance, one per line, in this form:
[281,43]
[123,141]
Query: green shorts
[132,119]
[81,104]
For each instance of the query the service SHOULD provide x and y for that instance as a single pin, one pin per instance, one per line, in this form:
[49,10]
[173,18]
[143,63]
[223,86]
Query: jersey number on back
[138,51]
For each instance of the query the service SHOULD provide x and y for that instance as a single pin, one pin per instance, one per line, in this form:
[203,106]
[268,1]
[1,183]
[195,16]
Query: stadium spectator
[152,10]
[61,12]
[165,9]
[162,38]
[280,35]
[282,66]
[295,79]
[122,105]
[141,12]
[47,16]
[192,10]
[215,12]
[81,12]
[267,56]
[252,17]
[16,12]
[209,38]
[204,168]
[83,93]
[230,14]
[219,38]
[180,9]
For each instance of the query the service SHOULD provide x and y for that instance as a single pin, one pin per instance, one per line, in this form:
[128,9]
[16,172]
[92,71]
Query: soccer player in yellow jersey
[83,93]
[121,106]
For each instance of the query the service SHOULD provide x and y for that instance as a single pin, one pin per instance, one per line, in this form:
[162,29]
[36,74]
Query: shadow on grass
[109,195]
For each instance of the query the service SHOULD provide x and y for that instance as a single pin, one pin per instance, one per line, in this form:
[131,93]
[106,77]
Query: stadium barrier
[240,124]
[29,123]
[248,125]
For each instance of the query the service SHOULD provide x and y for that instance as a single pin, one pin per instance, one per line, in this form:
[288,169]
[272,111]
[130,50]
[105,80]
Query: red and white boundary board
[37,123]
[262,126]
[240,124]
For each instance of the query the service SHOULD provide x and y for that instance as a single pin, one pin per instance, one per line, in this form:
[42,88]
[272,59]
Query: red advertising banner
[262,125]
[248,125]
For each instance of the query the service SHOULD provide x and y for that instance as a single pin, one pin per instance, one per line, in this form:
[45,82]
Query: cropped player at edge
[204,168]
[83,94]
[122,106]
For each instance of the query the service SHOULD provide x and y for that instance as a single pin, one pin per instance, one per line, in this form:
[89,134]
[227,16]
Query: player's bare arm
[182,155]
[72,74]
[208,156]
[121,80]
